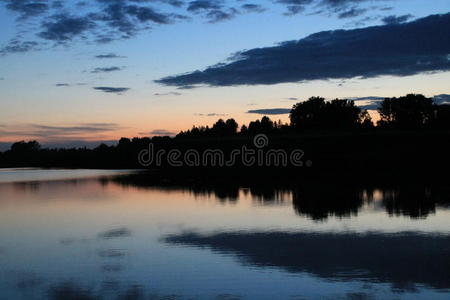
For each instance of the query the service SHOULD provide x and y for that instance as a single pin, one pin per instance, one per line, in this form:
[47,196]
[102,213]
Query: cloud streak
[108,56]
[162,132]
[106,69]
[391,20]
[58,132]
[113,90]
[368,52]
[270,111]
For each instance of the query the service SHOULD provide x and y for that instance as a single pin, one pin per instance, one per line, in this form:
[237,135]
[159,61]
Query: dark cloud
[104,21]
[88,127]
[213,10]
[108,89]
[270,111]
[106,69]
[62,84]
[108,55]
[146,14]
[124,18]
[294,10]
[368,98]
[390,20]
[176,3]
[295,6]
[64,27]
[368,52]
[373,102]
[253,7]
[368,102]
[58,133]
[162,132]
[16,46]
[217,15]
[351,13]
[293,98]
[27,8]
[344,4]
[202,5]
[101,21]
[442,99]
[340,8]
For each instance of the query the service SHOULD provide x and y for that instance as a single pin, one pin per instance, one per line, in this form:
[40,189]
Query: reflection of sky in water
[35,174]
[86,237]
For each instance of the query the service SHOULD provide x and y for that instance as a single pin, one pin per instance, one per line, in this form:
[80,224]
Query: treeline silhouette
[411,137]
[413,111]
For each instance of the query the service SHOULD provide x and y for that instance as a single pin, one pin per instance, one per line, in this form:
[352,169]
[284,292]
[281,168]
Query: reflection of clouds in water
[112,268]
[73,291]
[28,280]
[111,253]
[106,235]
[107,290]
[115,233]
[404,260]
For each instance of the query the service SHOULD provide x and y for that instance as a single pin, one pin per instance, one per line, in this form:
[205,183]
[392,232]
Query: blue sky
[54,89]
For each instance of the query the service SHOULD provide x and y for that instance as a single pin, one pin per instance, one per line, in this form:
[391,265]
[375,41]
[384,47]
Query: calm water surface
[86,234]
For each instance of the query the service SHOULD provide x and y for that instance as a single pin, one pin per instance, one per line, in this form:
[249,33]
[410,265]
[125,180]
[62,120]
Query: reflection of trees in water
[320,202]
[415,201]
[316,200]
[268,196]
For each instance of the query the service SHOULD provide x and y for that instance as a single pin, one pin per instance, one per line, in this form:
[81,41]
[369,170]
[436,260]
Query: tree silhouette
[442,116]
[407,112]
[23,147]
[316,113]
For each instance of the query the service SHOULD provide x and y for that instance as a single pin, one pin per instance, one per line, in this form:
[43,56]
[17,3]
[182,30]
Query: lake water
[90,234]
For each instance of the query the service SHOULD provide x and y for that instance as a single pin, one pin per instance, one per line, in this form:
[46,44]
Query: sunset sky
[73,71]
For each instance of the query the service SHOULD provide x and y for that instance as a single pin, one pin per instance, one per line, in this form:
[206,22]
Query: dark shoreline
[357,155]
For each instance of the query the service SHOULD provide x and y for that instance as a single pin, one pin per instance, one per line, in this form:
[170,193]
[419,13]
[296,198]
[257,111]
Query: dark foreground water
[83,234]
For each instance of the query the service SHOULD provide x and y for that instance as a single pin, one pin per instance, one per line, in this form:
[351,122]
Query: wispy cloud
[392,20]
[270,111]
[167,94]
[160,132]
[109,89]
[107,69]
[210,115]
[109,56]
[81,131]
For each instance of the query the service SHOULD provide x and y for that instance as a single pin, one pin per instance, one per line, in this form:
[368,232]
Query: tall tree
[410,111]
